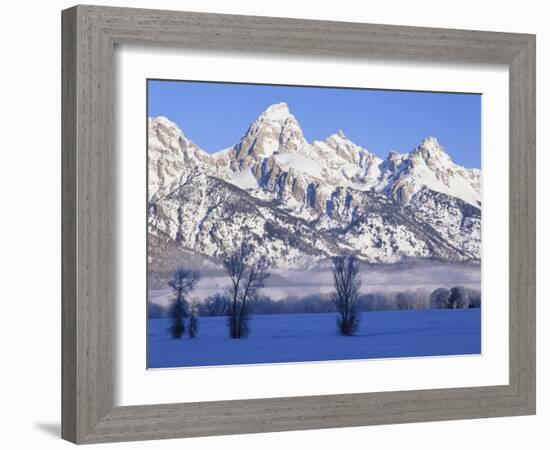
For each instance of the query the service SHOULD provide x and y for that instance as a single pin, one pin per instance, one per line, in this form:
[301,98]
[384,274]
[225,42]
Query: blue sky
[216,115]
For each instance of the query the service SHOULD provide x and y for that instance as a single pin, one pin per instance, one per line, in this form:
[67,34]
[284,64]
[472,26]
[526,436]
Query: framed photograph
[278,224]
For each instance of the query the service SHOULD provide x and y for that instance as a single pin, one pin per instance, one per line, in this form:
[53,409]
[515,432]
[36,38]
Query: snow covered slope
[301,202]
[428,166]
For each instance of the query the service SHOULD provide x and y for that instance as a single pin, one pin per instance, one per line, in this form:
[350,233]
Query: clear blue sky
[216,115]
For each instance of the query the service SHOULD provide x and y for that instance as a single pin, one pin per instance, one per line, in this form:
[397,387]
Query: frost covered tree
[182,283]
[412,300]
[475,299]
[247,274]
[459,298]
[404,301]
[347,281]
[440,299]
[214,305]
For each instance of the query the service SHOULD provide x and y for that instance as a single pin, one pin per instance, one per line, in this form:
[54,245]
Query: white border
[135,385]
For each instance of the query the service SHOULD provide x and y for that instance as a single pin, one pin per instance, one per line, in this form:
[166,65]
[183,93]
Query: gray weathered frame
[89,37]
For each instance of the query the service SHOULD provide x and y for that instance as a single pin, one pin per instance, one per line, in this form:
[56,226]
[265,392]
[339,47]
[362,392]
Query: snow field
[313,337]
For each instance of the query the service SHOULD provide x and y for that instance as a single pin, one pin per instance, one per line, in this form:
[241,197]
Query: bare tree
[347,281]
[193,320]
[254,280]
[235,267]
[247,275]
[182,283]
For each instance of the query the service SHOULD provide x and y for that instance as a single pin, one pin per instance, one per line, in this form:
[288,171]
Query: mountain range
[300,203]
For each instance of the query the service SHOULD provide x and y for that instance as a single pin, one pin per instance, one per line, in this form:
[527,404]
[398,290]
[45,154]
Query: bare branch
[347,282]
[247,275]
[182,283]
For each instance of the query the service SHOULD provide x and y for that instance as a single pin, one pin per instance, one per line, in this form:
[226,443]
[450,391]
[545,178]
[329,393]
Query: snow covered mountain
[302,202]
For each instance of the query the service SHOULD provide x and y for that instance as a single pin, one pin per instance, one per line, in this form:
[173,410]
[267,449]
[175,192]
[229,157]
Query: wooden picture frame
[90,34]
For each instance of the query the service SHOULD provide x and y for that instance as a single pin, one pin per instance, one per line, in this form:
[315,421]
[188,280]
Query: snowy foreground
[313,337]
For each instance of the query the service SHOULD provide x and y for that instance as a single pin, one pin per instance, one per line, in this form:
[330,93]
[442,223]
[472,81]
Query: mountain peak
[430,141]
[430,149]
[164,128]
[162,120]
[277,111]
[339,135]
[430,144]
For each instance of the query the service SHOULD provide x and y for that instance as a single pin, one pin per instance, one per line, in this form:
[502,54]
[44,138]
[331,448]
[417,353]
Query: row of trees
[248,273]
[217,304]
[417,299]
[457,297]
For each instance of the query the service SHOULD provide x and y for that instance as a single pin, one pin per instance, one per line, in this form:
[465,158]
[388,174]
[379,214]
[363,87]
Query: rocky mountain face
[302,202]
